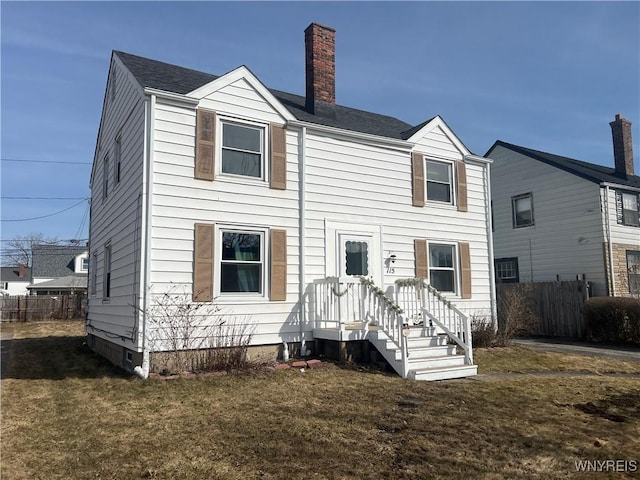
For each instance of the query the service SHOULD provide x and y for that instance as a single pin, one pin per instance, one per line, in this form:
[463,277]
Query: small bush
[483,332]
[516,312]
[613,320]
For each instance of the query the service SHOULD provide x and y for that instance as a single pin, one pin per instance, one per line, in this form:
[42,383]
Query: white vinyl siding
[567,237]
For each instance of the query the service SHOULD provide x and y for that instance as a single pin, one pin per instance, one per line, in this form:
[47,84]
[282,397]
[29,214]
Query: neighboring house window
[5,285]
[94,274]
[117,159]
[507,270]
[105,177]
[106,284]
[85,264]
[522,210]
[633,271]
[242,150]
[242,261]
[628,208]
[439,181]
[442,271]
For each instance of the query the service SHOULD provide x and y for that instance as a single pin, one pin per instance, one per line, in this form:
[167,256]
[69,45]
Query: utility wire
[43,198]
[44,216]
[21,160]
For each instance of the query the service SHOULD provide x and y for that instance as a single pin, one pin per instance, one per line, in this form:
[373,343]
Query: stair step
[446,373]
[427,351]
[436,362]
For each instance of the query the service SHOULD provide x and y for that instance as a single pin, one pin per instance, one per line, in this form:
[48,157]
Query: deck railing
[423,303]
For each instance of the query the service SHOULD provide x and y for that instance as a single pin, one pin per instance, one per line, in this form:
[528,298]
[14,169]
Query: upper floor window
[442,269]
[242,150]
[628,208]
[522,206]
[85,264]
[105,177]
[117,158]
[106,281]
[439,181]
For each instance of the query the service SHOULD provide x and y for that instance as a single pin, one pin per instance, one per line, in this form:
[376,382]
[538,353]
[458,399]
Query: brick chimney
[622,147]
[21,269]
[320,69]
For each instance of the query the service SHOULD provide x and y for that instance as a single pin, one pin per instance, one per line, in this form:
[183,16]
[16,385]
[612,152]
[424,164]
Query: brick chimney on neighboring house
[622,146]
[21,269]
[320,69]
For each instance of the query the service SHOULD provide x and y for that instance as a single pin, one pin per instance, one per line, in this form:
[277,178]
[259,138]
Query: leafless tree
[19,249]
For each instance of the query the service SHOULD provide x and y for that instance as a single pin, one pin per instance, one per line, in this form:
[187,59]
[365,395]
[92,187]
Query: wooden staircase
[429,357]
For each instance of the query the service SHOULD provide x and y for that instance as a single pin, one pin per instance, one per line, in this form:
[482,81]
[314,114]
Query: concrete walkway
[569,346]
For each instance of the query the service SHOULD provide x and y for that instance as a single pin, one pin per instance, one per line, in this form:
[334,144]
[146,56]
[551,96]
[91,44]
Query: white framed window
[507,270]
[84,264]
[439,181]
[630,207]
[117,159]
[105,177]
[241,262]
[443,267]
[522,207]
[633,271]
[106,282]
[94,274]
[243,147]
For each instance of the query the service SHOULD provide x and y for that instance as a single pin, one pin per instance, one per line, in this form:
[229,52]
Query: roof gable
[172,78]
[50,261]
[415,134]
[588,171]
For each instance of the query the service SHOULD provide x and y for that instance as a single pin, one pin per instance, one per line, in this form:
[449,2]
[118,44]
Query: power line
[22,160]
[43,198]
[44,216]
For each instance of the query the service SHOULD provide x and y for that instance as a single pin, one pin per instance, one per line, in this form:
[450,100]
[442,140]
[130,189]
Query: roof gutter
[399,144]
[620,186]
[471,158]
[176,97]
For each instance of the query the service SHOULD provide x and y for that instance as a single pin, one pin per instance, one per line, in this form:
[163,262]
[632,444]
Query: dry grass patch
[524,360]
[330,423]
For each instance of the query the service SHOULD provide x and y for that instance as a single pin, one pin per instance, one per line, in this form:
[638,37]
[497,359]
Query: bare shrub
[516,312]
[483,332]
[191,336]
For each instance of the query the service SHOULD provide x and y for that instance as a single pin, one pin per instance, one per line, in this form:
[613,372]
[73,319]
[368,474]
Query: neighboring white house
[15,280]
[59,270]
[272,206]
[556,217]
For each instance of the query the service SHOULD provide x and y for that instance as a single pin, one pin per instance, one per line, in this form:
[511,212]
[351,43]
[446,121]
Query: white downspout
[609,246]
[302,237]
[492,271]
[147,192]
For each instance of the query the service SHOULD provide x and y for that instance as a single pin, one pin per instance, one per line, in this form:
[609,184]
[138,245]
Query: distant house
[59,270]
[14,280]
[306,219]
[558,217]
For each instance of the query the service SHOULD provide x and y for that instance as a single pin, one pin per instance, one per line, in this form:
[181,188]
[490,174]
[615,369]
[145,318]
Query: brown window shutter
[465,270]
[417,179]
[462,186]
[203,262]
[422,262]
[205,144]
[278,267]
[278,174]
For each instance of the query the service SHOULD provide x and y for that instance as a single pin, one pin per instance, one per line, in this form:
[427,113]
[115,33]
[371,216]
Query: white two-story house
[559,218]
[313,221]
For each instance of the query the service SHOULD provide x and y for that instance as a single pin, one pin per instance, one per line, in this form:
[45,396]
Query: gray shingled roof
[69,282]
[12,274]
[55,260]
[588,171]
[171,78]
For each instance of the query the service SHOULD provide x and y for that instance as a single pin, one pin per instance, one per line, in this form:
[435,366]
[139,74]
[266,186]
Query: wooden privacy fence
[25,308]
[557,306]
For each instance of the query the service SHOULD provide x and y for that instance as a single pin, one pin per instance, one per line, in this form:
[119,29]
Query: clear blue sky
[545,75]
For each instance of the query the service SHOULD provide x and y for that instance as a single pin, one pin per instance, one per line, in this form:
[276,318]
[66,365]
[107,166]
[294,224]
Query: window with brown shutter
[422,265]
[278,266]
[278,158]
[465,270]
[203,262]
[461,179]
[205,144]
[417,179]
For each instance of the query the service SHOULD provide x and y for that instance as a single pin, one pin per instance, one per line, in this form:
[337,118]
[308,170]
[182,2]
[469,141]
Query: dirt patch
[616,408]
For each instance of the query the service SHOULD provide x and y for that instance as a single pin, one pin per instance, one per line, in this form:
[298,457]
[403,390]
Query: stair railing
[423,303]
